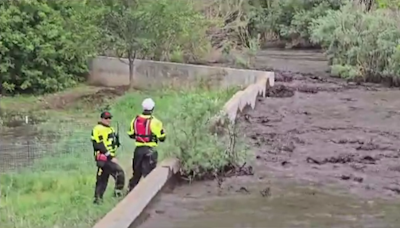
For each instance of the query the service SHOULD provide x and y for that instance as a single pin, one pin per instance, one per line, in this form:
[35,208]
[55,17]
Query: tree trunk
[131,58]
[368,4]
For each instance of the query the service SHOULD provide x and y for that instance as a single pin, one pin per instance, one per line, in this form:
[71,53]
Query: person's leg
[149,162]
[136,167]
[118,174]
[101,183]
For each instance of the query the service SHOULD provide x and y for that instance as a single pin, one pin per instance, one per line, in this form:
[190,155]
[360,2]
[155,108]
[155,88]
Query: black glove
[118,143]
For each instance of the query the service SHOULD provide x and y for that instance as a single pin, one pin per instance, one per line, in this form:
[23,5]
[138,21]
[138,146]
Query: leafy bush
[360,45]
[161,28]
[289,20]
[203,152]
[384,4]
[187,118]
[178,30]
[43,45]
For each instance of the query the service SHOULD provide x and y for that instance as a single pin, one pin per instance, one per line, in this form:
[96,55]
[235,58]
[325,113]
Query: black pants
[144,161]
[104,171]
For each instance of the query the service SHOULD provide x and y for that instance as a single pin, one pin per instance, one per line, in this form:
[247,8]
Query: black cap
[105,115]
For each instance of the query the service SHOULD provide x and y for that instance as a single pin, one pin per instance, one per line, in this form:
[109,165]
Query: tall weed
[289,20]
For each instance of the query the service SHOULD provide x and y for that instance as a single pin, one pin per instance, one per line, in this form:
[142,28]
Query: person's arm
[98,140]
[131,132]
[158,130]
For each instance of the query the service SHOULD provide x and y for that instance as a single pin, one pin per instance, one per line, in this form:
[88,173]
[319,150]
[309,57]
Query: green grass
[25,103]
[48,108]
[57,191]
[19,102]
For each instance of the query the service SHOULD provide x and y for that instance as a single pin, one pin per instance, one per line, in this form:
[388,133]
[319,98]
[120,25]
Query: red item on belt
[101,157]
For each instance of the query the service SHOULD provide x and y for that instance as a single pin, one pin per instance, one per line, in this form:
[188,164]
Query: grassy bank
[57,191]
[77,103]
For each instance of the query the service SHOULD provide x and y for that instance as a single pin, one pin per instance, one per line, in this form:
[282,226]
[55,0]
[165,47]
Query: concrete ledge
[246,98]
[130,208]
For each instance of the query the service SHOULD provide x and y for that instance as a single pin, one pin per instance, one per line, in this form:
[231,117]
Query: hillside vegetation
[45,44]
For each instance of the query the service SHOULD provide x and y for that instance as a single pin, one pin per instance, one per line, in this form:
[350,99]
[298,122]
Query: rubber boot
[97,201]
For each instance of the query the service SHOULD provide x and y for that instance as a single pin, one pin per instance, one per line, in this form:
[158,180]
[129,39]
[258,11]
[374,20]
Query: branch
[123,61]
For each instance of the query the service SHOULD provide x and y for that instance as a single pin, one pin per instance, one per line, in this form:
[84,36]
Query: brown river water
[326,155]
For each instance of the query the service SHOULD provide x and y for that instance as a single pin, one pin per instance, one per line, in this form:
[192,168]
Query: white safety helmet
[148,104]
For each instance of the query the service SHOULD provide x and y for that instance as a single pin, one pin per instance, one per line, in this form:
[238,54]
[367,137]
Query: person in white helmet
[147,131]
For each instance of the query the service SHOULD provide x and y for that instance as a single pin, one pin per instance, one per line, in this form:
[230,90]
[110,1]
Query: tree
[43,45]
[149,29]
[123,28]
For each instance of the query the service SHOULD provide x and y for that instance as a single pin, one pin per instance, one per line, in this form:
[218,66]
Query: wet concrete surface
[326,155]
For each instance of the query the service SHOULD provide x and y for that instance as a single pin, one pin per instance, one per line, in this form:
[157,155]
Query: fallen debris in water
[266,192]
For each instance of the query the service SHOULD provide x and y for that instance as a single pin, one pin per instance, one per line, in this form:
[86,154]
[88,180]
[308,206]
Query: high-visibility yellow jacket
[156,128]
[104,139]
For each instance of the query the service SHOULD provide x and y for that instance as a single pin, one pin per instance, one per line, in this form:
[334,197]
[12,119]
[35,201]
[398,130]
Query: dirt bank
[326,155]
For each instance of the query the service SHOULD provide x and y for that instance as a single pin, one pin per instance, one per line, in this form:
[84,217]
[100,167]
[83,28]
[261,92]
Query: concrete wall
[109,71]
[247,98]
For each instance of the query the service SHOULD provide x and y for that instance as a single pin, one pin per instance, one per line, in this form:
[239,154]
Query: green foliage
[159,30]
[43,45]
[385,4]
[152,29]
[360,45]
[289,20]
[56,192]
[176,27]
[201,150]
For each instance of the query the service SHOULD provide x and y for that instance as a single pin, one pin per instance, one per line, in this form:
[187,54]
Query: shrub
[43,45]
[360,45]
[289,20]
[162,28]
[203,153]
[186,116]
[384,4]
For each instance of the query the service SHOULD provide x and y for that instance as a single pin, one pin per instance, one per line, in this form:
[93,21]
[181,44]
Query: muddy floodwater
[326,155]
[285,205]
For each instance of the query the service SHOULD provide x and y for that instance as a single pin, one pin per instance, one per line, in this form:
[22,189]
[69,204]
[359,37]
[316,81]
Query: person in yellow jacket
[105,143]
[147,131]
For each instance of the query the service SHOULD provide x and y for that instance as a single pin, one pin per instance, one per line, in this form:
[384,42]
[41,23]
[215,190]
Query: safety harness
[141,126]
